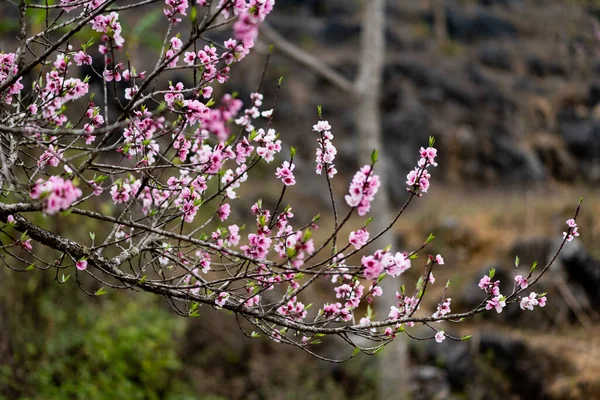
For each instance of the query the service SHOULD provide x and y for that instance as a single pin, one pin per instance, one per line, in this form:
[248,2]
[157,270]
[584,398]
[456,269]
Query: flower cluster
[293,309]
[419,177]
[250,14]
[496,299]
[175,7]
[443,308]
[285,173]
[521,281]
[404,307]
[326,151]
[9,67]
[385,262]
[57,193]
[111,27]
[534,299]
[359,238]
[362,191]
[573,230]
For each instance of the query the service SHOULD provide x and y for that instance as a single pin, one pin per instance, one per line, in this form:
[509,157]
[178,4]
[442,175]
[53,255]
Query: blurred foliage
[117,347]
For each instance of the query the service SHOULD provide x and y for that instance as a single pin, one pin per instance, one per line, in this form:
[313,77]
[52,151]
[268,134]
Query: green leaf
[517,261]
[533,267]
[320,111]
[356,351]
[194,15]
[466,337]
[307,235]
[92,235]
[100,292]
[430,238]
[65,278]
[30,267]
[414,256]
[492,272]
[374,156]
[431,141]
[255,334]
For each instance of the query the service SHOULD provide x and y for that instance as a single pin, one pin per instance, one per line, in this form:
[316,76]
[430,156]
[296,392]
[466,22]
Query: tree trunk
[393,361]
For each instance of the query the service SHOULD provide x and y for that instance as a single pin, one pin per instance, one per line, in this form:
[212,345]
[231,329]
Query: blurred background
[511,91]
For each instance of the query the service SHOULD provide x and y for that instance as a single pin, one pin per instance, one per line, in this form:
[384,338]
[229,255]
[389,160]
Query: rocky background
[512,96]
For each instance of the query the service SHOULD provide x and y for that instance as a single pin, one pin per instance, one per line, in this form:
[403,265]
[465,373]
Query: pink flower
[372,267]
[359,238]
[224,211]
[439,259]
[221,299]
[81,265]
[522,282]
[443,308]
[362,190]
[82,58]
[10,219]
[395,265]
[440,336]
[326,151]
[322,126]
[532,300]
[573,230]
[121,193]
[285,173]
[26,244]
[497,303]
[58,194]
[395,313]
[189,57]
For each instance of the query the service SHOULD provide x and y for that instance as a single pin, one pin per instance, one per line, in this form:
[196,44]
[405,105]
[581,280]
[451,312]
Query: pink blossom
[443,308]
[81,265]
[440,336]
[573,230]
[439,259]
[362,190]
[57,193]
[532,300]
[221,299]
[121,193]
[82,58]
[326,152]
[359,238]
[497,303]
[395,265]
[26,244]
[224,211]
[322,126]
[285,173]
[522,282]
[372,267]
[10,219]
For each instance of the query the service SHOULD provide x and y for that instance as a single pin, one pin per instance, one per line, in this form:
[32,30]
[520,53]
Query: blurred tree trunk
[393,362]
[365,95]
[439,18]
